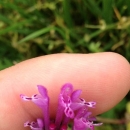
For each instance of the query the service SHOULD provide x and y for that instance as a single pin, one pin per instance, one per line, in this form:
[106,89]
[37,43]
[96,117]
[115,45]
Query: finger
[103,77]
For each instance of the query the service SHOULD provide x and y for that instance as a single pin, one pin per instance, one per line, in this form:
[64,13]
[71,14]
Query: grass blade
[36,34]
[67,15]
[107,11]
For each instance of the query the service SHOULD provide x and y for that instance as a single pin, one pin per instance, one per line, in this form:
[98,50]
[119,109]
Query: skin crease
[103,77]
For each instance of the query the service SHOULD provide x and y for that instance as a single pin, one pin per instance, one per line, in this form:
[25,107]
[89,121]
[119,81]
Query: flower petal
[75,95]
[69,112]
[40,101]
[67,89]
[40,123]
[90,104]
[25,98]
[43,91]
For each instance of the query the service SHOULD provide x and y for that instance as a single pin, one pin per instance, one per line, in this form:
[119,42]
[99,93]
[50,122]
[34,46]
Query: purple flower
[78,102]
[42,101]
[64,105]
[82,121]
[70,107]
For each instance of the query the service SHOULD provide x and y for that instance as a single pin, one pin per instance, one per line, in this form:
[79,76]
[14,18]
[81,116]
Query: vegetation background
[30,28]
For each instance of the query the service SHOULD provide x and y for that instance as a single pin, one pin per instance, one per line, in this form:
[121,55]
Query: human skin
[102,77]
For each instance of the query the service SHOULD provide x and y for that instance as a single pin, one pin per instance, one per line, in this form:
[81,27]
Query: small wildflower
[82,121]
[70,107]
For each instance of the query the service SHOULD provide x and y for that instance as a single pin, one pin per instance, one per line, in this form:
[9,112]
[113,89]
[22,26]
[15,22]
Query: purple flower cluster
[70,107]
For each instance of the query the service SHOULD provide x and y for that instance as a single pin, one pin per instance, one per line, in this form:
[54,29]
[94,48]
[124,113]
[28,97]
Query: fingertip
[103,77]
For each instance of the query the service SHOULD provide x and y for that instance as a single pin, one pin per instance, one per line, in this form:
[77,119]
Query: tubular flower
[70,107]
[82,121]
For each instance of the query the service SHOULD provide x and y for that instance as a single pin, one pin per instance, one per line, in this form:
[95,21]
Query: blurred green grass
[31,28]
